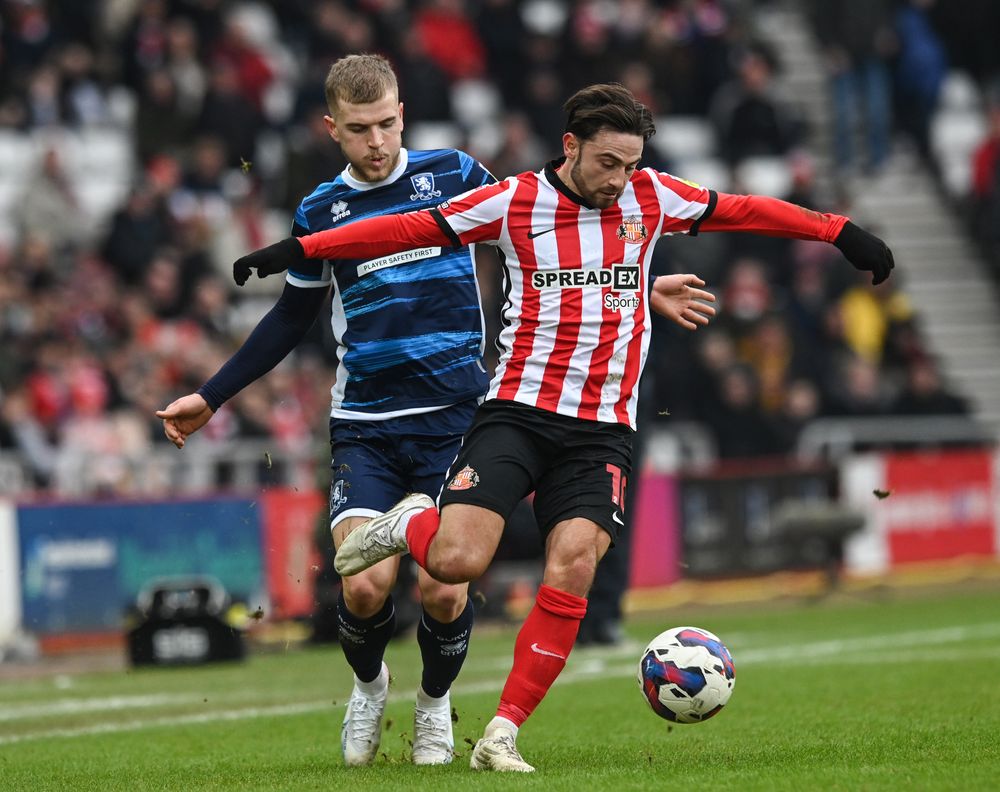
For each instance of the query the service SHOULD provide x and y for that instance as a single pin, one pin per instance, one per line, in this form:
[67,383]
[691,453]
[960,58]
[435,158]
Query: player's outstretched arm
[374,236]
[184,417]
[275,335]
[865,251]
[267,261]
[678,298]
[759,214]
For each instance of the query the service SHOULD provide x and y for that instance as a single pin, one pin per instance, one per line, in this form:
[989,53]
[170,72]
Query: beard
[592,197]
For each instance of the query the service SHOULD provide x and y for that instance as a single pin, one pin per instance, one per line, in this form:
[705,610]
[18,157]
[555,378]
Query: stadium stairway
[942,272]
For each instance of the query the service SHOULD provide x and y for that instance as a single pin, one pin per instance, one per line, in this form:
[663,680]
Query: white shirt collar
[357,184]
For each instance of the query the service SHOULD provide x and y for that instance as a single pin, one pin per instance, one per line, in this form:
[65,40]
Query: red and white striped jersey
[576,325]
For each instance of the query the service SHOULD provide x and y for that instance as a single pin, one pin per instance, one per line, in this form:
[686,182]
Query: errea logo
[339,211]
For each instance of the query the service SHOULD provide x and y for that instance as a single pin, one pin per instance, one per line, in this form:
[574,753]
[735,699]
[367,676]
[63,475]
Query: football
[686,675]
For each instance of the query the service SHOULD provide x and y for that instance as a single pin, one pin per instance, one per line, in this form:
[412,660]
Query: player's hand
[865,251]
[678,298]
[184,417]
[267,261]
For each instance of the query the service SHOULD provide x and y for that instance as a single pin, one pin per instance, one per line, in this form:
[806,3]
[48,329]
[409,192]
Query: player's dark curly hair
[607,106]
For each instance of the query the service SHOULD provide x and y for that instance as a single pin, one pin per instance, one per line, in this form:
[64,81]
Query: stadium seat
[433,135]
[18,155]
[708,171]
[682,137]
[474,102]
[100,197]
[764,176]
[955,134]
[104,153]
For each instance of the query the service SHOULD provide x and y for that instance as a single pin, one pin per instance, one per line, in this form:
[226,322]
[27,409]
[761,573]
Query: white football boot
[380,538]
[362,730]
[433,742]
[497,750]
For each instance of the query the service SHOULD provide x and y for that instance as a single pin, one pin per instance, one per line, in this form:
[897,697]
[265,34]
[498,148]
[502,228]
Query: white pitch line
[72,706]
[591,667]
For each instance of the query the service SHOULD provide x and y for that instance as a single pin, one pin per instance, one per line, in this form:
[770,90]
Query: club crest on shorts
[423,185]
[337,496]
[632,230]
[466,478]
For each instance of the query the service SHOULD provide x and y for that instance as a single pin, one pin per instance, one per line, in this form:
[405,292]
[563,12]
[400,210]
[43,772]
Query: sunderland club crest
[632,230]
[466,478]
[423,185]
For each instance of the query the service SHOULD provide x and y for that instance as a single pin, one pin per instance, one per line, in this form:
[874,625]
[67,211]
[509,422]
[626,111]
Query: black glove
[274,258]
[865,251]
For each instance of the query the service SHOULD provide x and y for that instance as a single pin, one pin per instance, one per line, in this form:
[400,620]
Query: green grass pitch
[853,693]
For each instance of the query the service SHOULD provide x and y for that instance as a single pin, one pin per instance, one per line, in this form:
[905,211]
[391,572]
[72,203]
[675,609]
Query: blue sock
[364,640]
[443,648]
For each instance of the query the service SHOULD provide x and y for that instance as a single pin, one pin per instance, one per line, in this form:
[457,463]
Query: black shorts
[576,468]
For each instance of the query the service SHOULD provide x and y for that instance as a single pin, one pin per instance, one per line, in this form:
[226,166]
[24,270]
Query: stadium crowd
[106,317]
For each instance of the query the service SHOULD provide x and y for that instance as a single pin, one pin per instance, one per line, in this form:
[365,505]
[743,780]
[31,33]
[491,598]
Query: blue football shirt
[409,327]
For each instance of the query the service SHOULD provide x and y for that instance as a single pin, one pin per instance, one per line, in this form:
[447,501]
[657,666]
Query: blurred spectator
[503,35]
[423,81]
[740,427]
[185,67]
[104,313]
[44,100]
[772,354]
[310,158]
[856,389]
[450,39]
[521,149]
[229,115]
[858,40]
[920,70]
[137,230]
[868,315]
[750,120]
[969,30]
[145,42]
[49,208]
[161,126]
[925,393]
[82,96]
[986,185]
[802,404]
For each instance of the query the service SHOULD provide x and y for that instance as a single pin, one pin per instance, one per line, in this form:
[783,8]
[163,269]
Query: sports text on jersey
[576,326]
[618,278]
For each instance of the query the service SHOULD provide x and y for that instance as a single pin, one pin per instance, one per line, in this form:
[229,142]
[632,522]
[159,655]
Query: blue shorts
[376,463]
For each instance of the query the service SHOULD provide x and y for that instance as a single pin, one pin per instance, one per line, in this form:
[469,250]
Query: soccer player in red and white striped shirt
[577,238]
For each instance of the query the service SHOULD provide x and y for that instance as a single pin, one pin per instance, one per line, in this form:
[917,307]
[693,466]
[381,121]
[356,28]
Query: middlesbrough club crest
[423,186]
[466,478]
[632,230]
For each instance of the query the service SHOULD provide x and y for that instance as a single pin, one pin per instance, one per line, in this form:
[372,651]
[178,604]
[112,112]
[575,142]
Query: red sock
[420,532]
[540,652]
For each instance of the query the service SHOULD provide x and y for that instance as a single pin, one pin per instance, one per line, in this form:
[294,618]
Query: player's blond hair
[359,79]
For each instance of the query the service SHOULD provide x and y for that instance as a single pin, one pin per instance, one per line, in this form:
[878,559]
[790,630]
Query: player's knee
[364,596]
[445,603]
[573,571]
[455,565]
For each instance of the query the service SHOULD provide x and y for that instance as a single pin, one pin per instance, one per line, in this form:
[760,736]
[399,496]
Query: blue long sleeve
[277,334]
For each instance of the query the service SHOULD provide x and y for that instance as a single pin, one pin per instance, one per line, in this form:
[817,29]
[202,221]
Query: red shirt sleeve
[759,214]
[376,236]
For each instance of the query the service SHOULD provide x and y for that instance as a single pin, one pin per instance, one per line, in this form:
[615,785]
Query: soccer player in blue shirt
[409,330]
